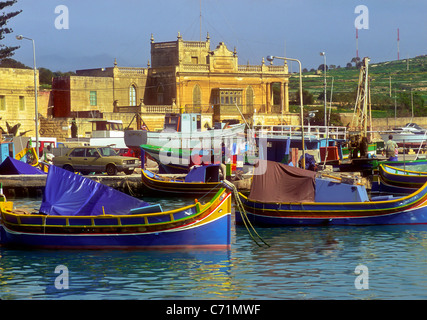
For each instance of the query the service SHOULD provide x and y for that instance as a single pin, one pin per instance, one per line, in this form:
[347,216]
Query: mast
[362,113]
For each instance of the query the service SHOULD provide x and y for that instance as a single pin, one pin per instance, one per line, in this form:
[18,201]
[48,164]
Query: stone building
[92,92]
[17,99]
[184,76]
[196,78]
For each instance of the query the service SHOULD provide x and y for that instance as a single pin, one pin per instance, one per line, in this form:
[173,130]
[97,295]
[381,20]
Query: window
[92,152]
[107,151]
[78,152]
[2,103]
[160,95]
[230,97]
[92,98]
[21,103]
[132,95]
[197,95]
[249,96]
[194,60]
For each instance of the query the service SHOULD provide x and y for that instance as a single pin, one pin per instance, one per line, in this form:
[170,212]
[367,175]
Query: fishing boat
[282,195]
[397,180]
[410,135]
[176,160]
[201,180]
[181,131]
[77,212]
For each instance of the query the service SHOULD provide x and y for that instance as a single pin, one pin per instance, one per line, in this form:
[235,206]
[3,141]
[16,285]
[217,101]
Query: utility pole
[398,53]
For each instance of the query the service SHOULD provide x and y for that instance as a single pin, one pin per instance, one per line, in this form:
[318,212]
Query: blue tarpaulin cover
[203,174]
[69,194]
[13,166]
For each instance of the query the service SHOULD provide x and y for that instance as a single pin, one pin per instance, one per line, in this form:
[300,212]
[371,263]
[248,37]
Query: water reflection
[319,262]
[115,274]
[301,263]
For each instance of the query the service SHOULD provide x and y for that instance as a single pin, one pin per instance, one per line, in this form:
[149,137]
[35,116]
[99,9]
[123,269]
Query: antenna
[398,58]
[357,43]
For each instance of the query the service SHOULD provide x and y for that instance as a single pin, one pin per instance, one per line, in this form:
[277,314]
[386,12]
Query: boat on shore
[282,195]
[78,213]
[182,131]
[410,135]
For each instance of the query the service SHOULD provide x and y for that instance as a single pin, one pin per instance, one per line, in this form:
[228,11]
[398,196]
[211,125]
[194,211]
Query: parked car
[86,159]
[126,152]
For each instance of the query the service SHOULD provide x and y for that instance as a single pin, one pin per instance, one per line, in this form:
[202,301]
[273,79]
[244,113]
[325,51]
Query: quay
[32,185]
[29,185]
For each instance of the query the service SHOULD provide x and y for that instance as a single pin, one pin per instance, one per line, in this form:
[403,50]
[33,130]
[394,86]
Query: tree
[322,67]
[356,60]
[45,76]
[307,98]
[5,51]
[12,63]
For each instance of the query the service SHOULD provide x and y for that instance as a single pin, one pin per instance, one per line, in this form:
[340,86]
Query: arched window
[132,95]
[197,96]
[160,95]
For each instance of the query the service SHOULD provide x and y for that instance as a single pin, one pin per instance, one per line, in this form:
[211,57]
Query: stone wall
[58,128]
[17,104]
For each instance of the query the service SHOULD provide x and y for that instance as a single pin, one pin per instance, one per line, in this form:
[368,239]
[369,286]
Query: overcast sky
[101,30]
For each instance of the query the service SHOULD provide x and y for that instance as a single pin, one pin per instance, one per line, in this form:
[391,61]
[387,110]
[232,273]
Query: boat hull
[175,187]
[407,138]
[411,209]
[415,216]
[209,228]
[214,234]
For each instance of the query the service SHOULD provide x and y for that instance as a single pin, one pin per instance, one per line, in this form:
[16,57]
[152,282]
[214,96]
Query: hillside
[405,75]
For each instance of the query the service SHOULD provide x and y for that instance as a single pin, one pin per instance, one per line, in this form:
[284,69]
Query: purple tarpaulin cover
[67,193]
[13,166]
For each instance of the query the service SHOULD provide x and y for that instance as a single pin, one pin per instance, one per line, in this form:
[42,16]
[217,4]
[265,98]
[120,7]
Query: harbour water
[301,263]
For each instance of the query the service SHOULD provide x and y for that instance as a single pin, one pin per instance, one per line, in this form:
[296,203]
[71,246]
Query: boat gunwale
[394,178]
[183,183]
[202,211]
[407,202]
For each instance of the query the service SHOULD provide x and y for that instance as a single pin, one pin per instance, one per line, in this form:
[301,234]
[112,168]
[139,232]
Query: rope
[208,192]
[243,214]
[126,182]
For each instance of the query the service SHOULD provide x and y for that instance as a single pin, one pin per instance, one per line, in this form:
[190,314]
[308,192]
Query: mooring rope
[243,214]
[208,192]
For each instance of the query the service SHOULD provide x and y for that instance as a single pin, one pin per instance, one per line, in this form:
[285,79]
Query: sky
[99,31]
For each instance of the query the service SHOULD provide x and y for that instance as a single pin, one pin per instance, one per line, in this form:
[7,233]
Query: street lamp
[271,58]
[20,37]
[324,82]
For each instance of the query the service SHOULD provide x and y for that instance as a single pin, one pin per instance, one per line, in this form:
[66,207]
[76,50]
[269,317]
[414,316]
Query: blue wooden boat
[397,180]
[283,195]
[77,212]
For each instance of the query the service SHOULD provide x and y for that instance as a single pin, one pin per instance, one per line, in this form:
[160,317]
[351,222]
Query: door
[92,160]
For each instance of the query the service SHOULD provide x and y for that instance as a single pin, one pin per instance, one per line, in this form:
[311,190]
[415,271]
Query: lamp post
[271,58]
[324,82]
[20,37]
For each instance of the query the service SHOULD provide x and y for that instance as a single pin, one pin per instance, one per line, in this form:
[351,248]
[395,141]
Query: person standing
[391,149]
